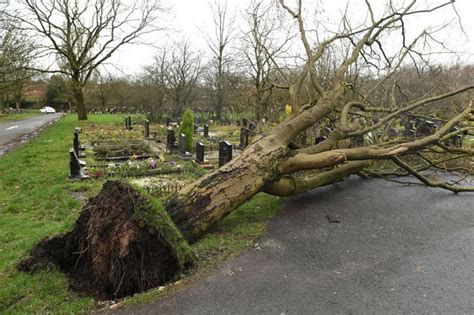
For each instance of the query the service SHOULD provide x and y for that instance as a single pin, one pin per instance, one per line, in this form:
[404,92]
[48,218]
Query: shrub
[187,127]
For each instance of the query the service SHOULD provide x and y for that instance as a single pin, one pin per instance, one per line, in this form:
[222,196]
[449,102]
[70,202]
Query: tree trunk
[78,100]
[212,197]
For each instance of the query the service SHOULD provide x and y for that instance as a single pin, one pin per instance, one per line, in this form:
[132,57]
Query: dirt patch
[109,254]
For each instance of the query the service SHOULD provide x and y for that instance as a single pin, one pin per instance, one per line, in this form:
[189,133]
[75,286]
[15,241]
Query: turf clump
[123,242]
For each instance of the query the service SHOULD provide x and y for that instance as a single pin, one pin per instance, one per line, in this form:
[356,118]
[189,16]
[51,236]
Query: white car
[47,110]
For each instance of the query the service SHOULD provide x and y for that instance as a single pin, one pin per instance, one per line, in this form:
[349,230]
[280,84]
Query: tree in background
[56,94]
[16,56]
[177,69]
[224,32]
[83,35]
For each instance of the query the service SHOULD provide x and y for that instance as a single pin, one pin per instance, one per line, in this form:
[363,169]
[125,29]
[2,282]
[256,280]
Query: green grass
[36,201]
[14,117]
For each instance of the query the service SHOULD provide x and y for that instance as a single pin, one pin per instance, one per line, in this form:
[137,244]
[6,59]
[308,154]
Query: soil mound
[109,253]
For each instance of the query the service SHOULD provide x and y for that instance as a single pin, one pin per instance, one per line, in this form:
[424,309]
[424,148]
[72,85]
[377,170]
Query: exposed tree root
[110,252]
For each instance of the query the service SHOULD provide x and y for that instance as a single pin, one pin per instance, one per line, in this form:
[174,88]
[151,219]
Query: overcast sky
[192,19]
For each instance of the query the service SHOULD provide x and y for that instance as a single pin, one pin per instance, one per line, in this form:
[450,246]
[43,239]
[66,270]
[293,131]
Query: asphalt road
[11,131]
[395,250]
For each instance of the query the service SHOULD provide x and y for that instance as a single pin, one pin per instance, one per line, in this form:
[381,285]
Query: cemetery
[272,157]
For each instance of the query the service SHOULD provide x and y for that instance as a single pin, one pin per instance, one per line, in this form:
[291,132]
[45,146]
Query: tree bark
[78,100]
[212,197]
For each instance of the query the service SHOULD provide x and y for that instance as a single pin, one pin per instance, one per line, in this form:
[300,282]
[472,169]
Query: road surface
[15,130]
[359,247]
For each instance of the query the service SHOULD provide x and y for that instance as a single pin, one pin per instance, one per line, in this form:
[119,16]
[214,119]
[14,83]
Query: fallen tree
[125,242]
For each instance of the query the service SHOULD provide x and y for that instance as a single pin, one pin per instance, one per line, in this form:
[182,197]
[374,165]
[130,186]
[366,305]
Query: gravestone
[199,152]
[206,130]
[245,122]
[167,121]
[182,144]
[252,126]
[76,169]
[76,145]
[182,147]
[244,137]
[225,152]
[170,138]
[129,122]
[126,122]
[147,129]
[74,166]
[319,139]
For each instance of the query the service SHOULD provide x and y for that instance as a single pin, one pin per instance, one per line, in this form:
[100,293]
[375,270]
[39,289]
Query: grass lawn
[37,200]
[14,117]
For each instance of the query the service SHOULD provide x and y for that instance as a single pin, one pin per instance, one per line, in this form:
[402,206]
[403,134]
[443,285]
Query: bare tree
[274,164]
[15,57]
[224,32]
[83,35]
[260,50]
[177,69]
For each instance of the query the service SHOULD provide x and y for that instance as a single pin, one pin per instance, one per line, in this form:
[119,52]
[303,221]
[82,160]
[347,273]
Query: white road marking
[12,127]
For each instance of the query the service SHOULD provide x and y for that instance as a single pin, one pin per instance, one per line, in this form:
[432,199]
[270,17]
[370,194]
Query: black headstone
[252,126]
[199,152]
[75,142]
[244,137]
[206,130]
[147,129]
[170,138]
[129,118]
[225,152]
[74,165]
[245,122]
[319,139]
[182,144]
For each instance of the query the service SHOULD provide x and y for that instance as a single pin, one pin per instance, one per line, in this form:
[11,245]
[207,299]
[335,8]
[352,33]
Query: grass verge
[37,200]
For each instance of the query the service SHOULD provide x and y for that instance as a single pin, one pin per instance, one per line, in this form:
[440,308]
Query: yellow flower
[288,109]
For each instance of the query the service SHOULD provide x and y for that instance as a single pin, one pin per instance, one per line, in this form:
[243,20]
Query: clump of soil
[110,253]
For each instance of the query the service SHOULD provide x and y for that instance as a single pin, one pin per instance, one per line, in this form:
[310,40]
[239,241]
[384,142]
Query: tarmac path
[13,132]
[358,247]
